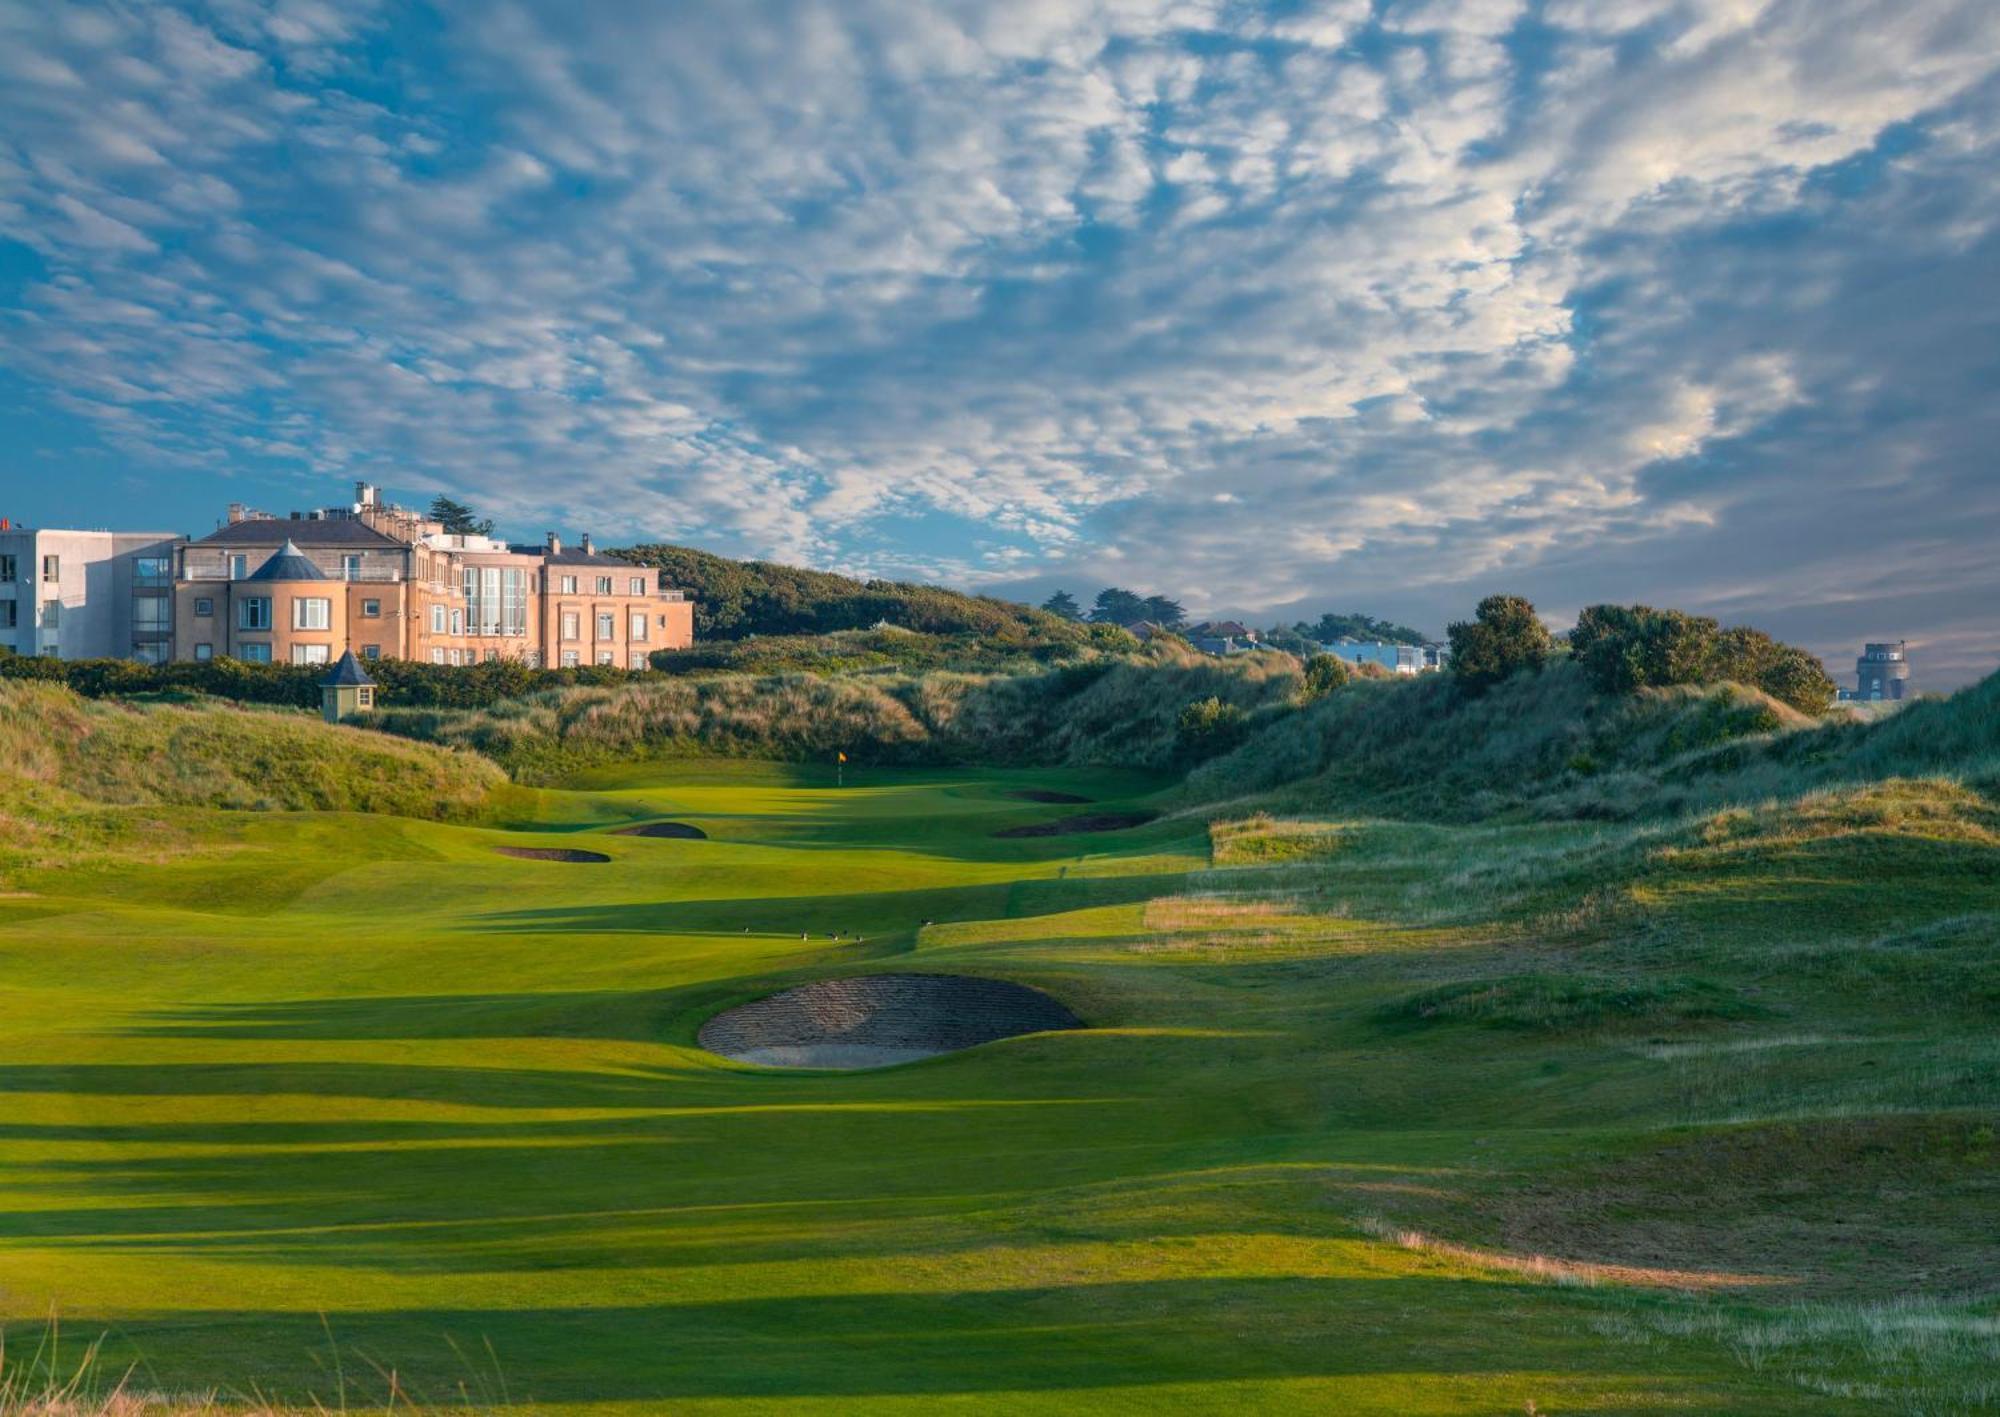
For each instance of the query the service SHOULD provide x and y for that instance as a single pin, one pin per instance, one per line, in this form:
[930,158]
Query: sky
[1274,308]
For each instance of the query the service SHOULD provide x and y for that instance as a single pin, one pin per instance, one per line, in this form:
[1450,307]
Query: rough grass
[1559,1002]
[1121,712]
[85,778]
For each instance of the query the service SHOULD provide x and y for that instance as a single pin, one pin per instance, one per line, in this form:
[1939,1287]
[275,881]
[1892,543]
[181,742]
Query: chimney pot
[555,543]
[586,543]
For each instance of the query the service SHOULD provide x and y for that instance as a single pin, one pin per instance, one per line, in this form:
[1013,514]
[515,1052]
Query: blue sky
[1272,307]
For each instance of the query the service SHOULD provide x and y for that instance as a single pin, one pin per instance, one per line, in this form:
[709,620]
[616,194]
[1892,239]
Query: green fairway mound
[880,1019]
[677,831]
[574,856]
[1037,794]
[1073,826]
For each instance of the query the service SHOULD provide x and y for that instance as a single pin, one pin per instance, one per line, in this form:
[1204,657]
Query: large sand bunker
[680,831]
[879,1019]
[552,853]
[1093,822]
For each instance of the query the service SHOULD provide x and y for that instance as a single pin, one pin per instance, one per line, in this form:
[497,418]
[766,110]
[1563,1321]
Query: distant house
[1397,659]
[1223,637]
[1143,630]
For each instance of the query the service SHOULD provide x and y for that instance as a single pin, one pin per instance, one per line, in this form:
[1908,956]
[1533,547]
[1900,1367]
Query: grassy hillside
[1117,711]
[82,776]
[736,599]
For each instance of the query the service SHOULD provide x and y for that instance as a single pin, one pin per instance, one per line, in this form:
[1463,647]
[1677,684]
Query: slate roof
[329,531]
[567,557]
[290,564]
[347,672]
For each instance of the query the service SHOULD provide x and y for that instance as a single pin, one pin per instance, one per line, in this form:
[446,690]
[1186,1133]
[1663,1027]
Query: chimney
[364,494]
[555,544]
[586,543]
[235,513]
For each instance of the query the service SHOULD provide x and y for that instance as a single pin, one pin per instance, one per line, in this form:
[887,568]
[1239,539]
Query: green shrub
[1502,639]
[1209,726]
[1324,673]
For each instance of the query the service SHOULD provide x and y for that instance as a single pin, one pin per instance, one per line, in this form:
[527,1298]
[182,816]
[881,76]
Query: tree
[458,518]
[1797,678]
[1117,607]
[1324,674]
[1165,613]
[1064,604]
[1503,638]
[1332,627]
[1627,647]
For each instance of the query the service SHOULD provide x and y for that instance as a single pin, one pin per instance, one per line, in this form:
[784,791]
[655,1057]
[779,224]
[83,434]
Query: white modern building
[1397,659]
[87,594]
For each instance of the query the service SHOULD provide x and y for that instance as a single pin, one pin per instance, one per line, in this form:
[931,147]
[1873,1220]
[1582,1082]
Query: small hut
[347,690]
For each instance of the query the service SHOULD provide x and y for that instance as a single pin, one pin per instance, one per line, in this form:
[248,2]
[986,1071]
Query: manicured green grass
[309,1074]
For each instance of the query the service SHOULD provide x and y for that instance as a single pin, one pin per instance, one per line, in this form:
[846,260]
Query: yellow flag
[843,757]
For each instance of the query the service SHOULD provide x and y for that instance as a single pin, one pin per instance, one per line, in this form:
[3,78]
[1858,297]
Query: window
[604,656]
[458,622]
[437,656]
[569,585]
[496,600]
[607,625]
[51,568]
[152,614]
[638,661]
[531,660]
[308,654]
[364,696]
[9,615]
[437,623]
[10,570]
[153,570]
[371,609]
[638,625]
[150,654]
[570,626]
[253,612]
[204,606]
[204,653]
[604,585]
[238,567]
[51,614]
[259,653]
[371,651]
[569,659]
[350,567]
[311,613]
[638,585]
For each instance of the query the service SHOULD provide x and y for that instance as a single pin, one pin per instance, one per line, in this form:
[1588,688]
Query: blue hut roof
[347,672]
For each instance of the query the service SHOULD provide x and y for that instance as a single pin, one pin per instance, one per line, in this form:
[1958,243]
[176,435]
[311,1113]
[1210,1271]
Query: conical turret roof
[290,564]
[347,672]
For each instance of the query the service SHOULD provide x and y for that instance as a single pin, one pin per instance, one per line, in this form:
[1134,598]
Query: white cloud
[799,277]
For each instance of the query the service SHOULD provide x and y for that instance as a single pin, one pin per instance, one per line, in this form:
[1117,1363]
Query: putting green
[371,1070]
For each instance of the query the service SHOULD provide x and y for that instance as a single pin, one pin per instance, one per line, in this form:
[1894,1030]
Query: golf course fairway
[301,1101]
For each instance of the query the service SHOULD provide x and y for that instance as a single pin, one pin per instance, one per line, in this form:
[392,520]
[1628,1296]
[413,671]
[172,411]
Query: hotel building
[391,583]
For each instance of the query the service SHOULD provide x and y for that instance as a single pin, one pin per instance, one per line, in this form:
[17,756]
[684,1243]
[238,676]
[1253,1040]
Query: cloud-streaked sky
[1316,305]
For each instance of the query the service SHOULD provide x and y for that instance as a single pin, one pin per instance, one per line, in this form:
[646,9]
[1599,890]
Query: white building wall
[86,611]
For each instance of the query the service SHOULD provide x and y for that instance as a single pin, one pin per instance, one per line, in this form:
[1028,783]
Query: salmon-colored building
[389,583]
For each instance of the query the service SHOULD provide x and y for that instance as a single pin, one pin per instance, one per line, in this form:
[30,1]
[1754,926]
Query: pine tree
[1064,604]
[458,518]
